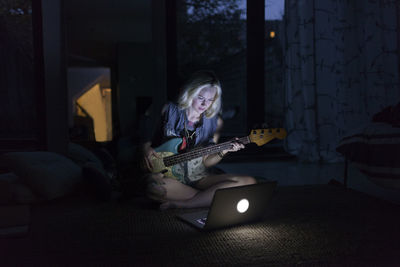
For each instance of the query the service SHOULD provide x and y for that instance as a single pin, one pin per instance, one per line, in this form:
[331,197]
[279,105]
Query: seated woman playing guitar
[195,121]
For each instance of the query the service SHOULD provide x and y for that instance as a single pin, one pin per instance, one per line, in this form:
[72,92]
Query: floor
[311,225]
[292,172]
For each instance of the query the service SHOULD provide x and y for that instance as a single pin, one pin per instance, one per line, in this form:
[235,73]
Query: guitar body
[196,168]
[169,148]
[188,166]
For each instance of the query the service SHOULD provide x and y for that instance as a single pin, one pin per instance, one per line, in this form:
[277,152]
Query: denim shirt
[174,123]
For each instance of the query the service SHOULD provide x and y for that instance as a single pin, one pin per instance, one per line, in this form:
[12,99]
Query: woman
[194,119]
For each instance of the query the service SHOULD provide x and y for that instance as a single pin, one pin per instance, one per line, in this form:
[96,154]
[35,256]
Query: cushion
[48,174]
[375,151]
[5,192]
[22,194]
[12,190]
[81,155]
[9,177]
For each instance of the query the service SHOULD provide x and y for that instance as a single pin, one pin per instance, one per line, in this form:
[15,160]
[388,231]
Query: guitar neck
[199,152]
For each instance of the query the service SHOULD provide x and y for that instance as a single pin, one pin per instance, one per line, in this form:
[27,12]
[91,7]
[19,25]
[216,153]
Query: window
[243,44]
[273,64]
[212,35]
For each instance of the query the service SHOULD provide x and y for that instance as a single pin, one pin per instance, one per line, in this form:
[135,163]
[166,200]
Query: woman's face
[204,99]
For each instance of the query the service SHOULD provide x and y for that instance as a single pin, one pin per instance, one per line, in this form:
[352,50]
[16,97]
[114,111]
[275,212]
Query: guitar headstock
[263,136]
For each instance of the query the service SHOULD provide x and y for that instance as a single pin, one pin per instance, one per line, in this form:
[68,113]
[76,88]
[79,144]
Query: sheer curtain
[341,67]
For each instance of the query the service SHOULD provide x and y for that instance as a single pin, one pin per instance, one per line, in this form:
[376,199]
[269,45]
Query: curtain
[341,67]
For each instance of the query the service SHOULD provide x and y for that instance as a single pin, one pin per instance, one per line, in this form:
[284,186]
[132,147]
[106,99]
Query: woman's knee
[251,180]
[175,190]
[245,180]
[156,192]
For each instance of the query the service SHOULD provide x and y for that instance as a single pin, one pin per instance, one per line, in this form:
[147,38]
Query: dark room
[199,133]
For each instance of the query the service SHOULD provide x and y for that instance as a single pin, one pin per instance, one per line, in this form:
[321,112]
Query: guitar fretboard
[199,152]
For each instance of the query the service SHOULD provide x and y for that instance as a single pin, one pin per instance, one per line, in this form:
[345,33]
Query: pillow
[12,190]
[22,194]
[48,174]
[81,155]
[375,151]
[9,178]
[5,191]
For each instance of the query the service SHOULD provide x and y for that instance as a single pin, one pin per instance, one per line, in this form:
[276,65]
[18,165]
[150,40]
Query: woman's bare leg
[207,187]
[164,189]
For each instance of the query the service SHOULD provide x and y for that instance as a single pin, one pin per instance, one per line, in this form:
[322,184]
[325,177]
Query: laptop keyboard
[202,220]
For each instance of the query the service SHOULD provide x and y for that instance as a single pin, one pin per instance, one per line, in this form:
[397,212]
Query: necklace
[189,136]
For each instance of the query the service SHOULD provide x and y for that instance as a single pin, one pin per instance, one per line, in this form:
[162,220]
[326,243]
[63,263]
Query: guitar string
[187,134]
[193,154]
[200,152]
[172,160]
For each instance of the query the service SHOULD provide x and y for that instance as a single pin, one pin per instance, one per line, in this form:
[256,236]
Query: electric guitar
[168,161]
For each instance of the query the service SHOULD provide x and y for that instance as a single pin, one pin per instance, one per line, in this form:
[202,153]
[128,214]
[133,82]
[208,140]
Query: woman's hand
[148,153]
[213,159]
[235,146]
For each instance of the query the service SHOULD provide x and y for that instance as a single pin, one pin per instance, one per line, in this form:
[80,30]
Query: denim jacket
[174,124]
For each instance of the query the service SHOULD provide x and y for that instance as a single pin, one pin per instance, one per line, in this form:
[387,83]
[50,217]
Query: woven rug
[320,225]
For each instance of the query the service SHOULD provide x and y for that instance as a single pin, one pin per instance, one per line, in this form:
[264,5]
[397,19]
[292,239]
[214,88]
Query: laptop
[232,206]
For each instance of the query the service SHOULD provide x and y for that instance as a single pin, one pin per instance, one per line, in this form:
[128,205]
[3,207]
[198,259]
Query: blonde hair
[197,82]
